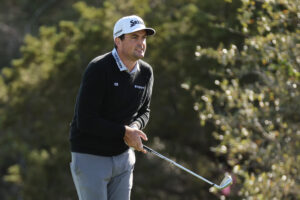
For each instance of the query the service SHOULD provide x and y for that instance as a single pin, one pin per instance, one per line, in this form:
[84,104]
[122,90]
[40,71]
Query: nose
[142,42]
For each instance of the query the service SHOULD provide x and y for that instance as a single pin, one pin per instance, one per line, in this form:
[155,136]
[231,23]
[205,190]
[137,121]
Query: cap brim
[149,31]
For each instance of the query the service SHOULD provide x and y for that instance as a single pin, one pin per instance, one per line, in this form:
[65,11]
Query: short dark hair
[122,38]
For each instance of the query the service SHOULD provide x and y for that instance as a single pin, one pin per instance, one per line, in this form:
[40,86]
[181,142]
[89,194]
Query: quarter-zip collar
[121,65]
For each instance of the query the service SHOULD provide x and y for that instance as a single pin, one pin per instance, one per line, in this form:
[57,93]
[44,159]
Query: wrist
[135,125]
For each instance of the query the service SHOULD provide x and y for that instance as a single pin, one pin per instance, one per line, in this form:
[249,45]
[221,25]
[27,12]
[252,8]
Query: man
[112,107]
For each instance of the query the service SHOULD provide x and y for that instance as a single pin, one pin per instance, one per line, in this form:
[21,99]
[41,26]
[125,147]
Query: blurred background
[226,95]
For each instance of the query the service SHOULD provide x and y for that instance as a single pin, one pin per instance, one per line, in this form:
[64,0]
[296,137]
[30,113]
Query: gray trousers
[103,178]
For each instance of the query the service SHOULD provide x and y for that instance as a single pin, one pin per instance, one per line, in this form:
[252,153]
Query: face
[133,46]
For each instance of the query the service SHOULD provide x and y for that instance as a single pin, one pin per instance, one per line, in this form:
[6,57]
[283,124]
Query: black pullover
[109,99]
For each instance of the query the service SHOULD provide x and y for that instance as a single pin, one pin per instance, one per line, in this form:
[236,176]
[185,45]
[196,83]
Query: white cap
[130,24]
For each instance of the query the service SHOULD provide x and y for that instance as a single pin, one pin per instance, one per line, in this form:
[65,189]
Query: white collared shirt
[121,65]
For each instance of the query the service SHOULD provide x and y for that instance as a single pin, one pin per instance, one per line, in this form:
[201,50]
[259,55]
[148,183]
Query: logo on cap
[134,22]
[129,24]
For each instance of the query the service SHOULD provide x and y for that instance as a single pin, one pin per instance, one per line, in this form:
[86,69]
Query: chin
[139,56]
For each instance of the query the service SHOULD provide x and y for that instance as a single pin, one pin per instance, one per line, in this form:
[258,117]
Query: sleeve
[143,116]
[89,102]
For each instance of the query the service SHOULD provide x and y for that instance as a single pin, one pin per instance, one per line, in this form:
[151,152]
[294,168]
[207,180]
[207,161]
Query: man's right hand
[133,138]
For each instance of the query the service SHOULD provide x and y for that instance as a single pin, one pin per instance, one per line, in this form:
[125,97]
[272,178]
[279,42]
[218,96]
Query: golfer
[112,107]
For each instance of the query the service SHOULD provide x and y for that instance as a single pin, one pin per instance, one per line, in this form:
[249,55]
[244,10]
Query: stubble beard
[138,55]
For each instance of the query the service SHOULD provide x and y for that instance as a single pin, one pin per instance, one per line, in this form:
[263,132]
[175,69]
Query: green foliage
[255,102]
[247,95]
[19,18]
[34,118]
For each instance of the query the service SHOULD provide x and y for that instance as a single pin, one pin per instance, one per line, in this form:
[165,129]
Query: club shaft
[177,165]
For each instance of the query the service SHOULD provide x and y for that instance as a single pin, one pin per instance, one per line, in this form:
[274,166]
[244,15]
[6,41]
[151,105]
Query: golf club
[227,180]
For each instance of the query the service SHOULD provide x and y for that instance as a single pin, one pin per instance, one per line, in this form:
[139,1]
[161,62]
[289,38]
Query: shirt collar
[121,65]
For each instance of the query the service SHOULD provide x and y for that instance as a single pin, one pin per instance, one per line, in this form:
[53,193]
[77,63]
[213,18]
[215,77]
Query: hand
[133,138]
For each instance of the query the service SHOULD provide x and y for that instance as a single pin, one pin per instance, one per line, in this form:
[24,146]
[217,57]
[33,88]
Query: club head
[227,180]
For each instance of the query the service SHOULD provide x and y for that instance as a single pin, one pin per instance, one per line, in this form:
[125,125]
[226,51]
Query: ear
[118,41]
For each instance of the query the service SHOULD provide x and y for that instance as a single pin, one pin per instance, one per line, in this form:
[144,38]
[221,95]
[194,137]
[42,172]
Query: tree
[255,102]
[38,93]
[37,106]
[19,18]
